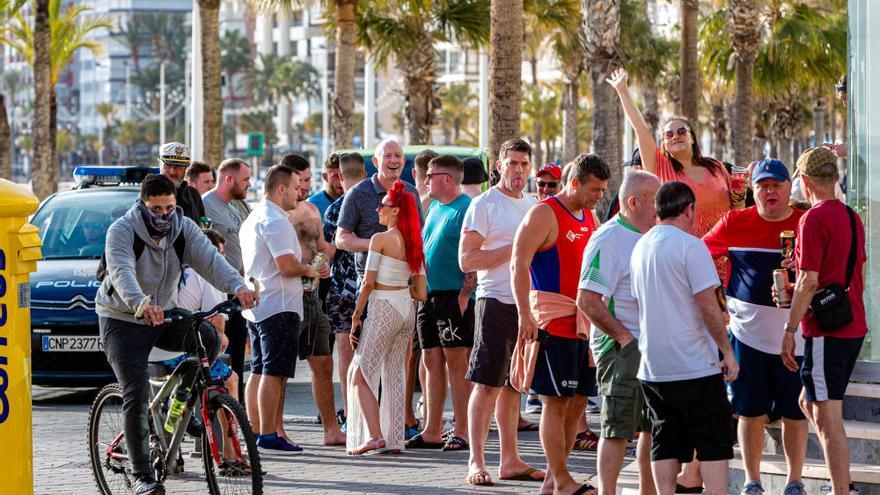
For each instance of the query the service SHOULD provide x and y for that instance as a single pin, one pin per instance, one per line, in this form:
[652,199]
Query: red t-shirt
[823,245]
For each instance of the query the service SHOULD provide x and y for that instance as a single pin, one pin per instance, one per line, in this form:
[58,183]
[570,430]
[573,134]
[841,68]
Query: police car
[66,349]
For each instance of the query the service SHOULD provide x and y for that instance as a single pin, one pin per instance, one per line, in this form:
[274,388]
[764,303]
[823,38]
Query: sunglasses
[681,131]
[92,225]
[384,205]
[435,174]
[542,184]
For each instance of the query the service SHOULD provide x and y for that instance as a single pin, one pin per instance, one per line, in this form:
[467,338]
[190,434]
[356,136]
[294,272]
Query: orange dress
[713,194]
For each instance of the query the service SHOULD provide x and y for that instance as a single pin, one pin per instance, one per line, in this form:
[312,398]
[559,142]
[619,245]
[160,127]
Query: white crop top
[389,271]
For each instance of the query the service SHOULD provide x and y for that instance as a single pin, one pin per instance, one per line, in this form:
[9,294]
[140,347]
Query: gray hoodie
[157,272]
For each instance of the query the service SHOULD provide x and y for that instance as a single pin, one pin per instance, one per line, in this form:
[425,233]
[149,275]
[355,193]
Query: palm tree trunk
[690,72]
[569,118]
[537,152]
[601,19]
[505,72]
[44,161]
[419,75]
[745,23]
[230,76]
[209,11]
[343,77]
[5,142]
[719,128]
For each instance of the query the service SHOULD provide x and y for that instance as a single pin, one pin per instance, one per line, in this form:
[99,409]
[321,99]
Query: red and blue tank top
[557,268]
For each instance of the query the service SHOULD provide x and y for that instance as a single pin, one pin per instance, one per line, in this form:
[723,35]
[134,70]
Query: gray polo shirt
[359,216]
[226,220]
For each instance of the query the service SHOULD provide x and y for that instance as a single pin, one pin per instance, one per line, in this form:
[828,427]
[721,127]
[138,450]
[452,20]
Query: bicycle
[229,447]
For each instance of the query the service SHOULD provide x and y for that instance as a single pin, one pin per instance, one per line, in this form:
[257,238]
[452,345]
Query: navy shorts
[828,364]
[274,344]
[687,416]
[562,368]
[764,385]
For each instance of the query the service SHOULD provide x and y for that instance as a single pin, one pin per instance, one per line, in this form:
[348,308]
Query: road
[61,462]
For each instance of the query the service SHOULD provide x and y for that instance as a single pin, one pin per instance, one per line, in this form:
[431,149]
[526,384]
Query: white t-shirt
[496,216]
[265,235]
[670,266]
[196,294]
[606,271]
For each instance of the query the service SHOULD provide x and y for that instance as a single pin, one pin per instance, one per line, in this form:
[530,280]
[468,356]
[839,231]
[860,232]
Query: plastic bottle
[178,403]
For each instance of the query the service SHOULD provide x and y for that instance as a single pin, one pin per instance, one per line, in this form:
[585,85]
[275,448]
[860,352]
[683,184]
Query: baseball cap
[174,153]
[474,172]
[770,168]
[817,162]
[552,169]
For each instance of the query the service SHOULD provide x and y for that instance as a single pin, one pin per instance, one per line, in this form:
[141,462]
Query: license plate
[72,343]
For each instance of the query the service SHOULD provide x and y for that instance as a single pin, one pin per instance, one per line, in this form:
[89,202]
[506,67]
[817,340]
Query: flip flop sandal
[584,489]
[524,475]
[688,489]
[586,440]
[235,468]
[528,427]
[455,443]
[418,442]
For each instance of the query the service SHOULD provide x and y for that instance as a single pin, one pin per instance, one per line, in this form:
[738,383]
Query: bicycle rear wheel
[108,453]
[232,463]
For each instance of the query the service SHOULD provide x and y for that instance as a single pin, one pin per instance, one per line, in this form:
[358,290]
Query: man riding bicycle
[144,254]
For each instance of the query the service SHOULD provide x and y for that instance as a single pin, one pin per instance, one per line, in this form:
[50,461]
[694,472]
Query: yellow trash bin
[19,252]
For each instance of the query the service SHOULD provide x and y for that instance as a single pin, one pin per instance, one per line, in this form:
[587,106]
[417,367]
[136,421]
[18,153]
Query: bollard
[19,252]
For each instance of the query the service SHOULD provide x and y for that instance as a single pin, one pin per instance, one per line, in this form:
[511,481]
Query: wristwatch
[790,329]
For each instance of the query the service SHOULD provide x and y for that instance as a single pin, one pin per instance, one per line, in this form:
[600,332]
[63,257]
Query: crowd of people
[486,293]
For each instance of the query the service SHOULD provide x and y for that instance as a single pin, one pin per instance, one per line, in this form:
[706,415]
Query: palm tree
[745,36]
[405,31]
[236,60]
[212,121]
[690,71]
[457,111]
[570,54]
[106,111]
[539,108]
[505,72]
[344,15]
[58,32]
[261,80]
[601,20]
[295,79]
[131,37]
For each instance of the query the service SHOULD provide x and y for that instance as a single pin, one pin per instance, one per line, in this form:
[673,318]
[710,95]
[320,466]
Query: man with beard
[546,258]
[314,337]
[332,179]
[173,161]
[489,227]
[233,181]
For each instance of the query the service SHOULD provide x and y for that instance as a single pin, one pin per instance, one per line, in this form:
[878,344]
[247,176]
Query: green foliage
[275,78]
[259,122]
[649,59]
[235,57]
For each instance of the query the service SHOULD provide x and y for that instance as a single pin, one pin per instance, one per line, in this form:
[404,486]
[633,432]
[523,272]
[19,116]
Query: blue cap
[770,168]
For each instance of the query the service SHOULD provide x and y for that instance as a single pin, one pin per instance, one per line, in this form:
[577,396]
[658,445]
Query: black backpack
[138,246]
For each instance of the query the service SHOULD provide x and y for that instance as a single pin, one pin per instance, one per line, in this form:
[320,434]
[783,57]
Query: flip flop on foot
[585,489]
[688,489]
[526,426]
[527,474]
[419,442]
[455,443]
[479,478]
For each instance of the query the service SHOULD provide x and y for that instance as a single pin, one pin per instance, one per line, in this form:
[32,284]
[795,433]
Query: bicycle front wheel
[108,454]
[232,463]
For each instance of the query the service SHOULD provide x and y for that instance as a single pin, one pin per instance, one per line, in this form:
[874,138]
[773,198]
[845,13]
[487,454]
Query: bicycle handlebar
[225,307]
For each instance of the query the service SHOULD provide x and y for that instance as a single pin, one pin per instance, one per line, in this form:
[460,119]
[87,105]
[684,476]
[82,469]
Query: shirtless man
[314,337]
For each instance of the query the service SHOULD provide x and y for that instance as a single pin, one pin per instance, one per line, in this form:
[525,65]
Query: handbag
[830,305]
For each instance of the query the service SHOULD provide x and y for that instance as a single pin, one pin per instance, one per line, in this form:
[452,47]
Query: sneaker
[794,487]
[593,407]
[273,444]
[146,485]
[533,405]
[753,488]
[340,417]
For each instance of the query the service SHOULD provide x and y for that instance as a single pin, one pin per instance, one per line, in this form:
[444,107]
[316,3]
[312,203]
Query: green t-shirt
[441,234]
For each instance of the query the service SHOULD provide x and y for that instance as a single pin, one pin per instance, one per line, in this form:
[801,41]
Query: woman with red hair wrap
[394,277]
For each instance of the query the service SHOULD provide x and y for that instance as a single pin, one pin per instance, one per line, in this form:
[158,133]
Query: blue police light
[96,175]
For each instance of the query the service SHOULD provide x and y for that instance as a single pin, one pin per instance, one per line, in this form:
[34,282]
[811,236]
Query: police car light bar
[95,175]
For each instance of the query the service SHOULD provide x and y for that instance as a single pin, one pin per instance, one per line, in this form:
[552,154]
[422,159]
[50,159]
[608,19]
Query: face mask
[158,224]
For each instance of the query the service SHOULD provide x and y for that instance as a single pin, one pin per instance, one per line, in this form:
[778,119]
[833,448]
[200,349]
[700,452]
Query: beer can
[311,284]
[786,243]
[780,279]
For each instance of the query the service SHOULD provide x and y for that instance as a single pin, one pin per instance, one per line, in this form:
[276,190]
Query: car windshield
[75,225]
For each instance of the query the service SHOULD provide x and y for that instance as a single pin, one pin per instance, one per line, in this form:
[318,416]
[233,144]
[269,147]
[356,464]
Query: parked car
[66,348]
